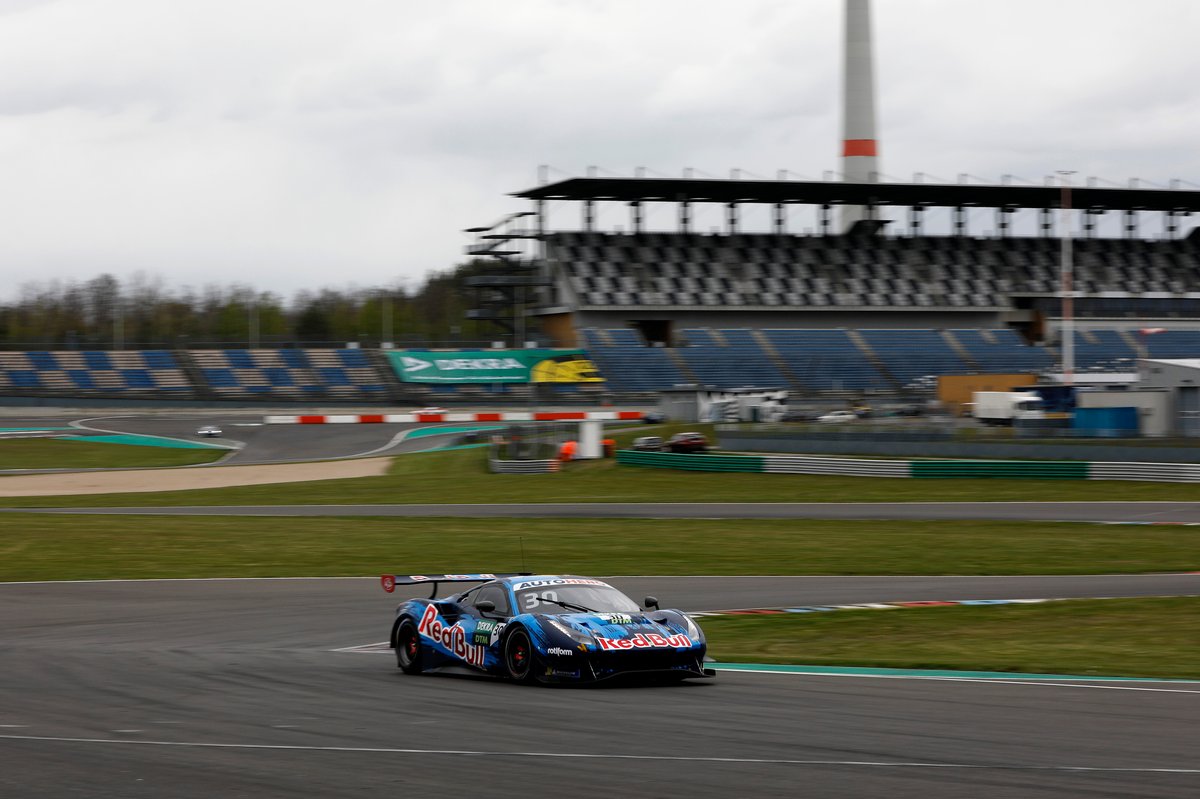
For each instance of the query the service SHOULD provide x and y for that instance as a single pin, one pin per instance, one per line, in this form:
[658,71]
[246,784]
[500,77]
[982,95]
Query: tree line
[106,313]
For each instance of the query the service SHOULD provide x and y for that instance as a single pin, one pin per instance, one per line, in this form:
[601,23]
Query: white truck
[1004,407]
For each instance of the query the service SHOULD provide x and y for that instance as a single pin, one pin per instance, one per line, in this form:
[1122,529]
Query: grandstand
[879,308]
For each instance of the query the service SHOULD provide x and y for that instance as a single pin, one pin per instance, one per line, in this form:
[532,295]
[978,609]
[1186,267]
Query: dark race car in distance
[687,442]
[542,628]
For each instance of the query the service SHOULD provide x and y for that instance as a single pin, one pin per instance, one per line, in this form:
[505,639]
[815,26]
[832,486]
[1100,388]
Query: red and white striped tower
[860,153]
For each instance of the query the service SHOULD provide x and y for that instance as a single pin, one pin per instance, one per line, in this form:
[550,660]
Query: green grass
[48,453]
[1112,637]
[461,476]
[45,547]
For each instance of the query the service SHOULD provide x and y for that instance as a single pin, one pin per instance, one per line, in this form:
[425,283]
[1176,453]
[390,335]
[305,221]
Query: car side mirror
[650,603]
[485,606]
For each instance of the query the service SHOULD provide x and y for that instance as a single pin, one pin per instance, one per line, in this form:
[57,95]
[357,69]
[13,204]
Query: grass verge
[461,476]
[1157,637]
[45,547]
[48,453]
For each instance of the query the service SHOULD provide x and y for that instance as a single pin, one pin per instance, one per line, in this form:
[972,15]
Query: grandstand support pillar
[731,218]
[1004,219]
[1067,280]
[539,211]
[635,212]
[1045,225]
[916,219]
[685,217]
[591,433]
[589,216]
[1130,223]
[825,217]
[960,221]
[780,220]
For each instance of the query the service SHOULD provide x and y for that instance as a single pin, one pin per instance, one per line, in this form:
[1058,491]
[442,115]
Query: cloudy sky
[298,144]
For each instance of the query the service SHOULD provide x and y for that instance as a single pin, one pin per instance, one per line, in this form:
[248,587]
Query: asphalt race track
[255,442]
[234,689]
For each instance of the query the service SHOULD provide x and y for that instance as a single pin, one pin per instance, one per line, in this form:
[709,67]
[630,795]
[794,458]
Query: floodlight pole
[1067,282]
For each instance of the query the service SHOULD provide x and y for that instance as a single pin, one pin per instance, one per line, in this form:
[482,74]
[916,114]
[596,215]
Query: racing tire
[519,659]
[409,651]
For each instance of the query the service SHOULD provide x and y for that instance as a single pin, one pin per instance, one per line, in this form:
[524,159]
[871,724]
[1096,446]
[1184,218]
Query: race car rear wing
[390,581]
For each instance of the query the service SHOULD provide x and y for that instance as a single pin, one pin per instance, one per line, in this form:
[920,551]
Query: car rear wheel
[409,650]
[519,657]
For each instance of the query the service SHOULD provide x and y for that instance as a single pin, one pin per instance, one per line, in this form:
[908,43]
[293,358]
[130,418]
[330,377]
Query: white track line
[596,756]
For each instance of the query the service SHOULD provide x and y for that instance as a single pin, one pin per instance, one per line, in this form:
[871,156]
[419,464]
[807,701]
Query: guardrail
[921,469]
[523,467]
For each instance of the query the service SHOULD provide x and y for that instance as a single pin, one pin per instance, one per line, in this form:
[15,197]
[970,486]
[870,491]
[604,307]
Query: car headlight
[575,635]
[693,630]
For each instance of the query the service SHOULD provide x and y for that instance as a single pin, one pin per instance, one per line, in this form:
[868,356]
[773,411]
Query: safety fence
[927,469]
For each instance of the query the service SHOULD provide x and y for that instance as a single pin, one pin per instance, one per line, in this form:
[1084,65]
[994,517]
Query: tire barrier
[921,469]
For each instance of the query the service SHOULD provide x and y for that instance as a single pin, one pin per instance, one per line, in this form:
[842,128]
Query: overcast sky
[299,144]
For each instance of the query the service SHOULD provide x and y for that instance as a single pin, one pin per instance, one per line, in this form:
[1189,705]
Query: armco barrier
[694,463]
[523,467]
[944,470]
[1155,472]
[801,464]
[1039,470]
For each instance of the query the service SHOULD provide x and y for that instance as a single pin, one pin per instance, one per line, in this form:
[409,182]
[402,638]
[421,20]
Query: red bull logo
[644,641]
[452,637]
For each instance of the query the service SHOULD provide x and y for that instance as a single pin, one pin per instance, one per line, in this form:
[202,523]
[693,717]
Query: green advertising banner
[494,366]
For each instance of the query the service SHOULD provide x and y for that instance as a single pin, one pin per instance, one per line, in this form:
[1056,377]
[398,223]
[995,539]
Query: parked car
[837,417]
[687,442]
[209,431]
[648,444]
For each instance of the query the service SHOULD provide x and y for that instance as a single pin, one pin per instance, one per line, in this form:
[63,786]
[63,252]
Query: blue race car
[541,628]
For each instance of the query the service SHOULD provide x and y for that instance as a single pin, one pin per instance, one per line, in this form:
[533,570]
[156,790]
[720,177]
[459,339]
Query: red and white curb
[427,418]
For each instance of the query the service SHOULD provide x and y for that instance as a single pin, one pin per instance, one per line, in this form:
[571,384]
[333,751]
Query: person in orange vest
[567,451]
[610,447]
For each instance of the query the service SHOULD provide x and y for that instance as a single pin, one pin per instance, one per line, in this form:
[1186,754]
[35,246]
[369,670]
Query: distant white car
[836,417]
[209,431]
[431,410]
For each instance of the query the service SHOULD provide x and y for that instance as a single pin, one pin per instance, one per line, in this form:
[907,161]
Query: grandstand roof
[839,193]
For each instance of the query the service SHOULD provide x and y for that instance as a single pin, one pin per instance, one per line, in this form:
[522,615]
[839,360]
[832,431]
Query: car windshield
[592,597]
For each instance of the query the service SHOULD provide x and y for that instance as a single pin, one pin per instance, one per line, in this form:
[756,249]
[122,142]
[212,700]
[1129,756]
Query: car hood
[657,629]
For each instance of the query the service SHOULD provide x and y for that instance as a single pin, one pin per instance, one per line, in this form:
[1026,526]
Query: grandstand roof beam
[834,193]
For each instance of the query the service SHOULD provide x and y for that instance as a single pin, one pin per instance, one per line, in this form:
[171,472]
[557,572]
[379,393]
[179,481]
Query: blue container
[1105,422]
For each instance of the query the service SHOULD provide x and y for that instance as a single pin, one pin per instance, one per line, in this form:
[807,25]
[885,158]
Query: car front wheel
[519,657]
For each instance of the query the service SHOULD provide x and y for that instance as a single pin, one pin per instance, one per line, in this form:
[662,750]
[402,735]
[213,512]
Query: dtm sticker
[616,618]
[487,632]
[453,638]
[644,641]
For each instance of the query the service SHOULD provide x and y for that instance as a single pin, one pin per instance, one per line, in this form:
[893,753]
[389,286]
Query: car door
[485,626]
